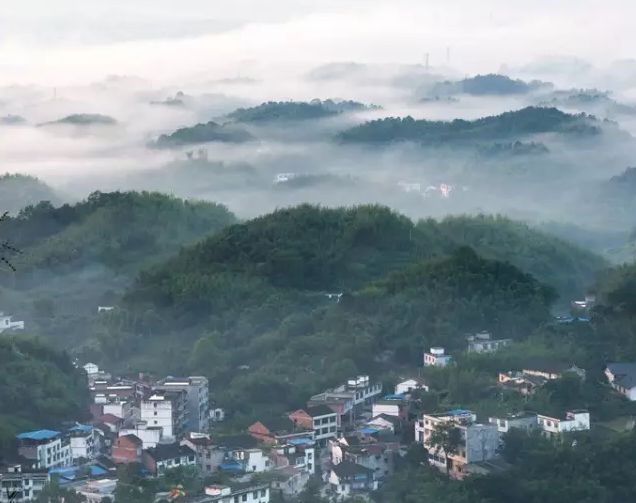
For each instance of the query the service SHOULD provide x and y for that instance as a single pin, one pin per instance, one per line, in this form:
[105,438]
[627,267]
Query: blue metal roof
[301,441]
[38,435]
[96,471]
[458,412]
[368,430]
[84,428]
[230,466]
[395,396]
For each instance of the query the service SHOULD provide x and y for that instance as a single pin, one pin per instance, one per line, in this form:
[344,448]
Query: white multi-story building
[6,323]
[197,399]
[18,484]
[574,420]
[45,448]
[165,409]
[479,442]
[83,442]
[437,357]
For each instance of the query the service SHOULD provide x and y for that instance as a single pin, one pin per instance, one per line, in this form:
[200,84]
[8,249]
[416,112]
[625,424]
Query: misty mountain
[319,249]
[12,120]
[117,230]
[590,101]
[296,110]
[488,85]
[83,120]
[517,124]
[18,191]
[203,133]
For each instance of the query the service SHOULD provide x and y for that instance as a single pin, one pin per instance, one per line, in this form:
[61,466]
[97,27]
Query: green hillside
[254,297]
[509,125]
[39,387]
[118,230]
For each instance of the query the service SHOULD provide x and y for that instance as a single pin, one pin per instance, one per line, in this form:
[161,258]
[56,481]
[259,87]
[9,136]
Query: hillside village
[345,442]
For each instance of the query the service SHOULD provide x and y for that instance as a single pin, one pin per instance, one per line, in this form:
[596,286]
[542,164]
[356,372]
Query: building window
[244,497]
[255,495]
[263,493]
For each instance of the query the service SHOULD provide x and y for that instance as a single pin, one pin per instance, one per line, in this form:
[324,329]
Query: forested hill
[517,124]
[254,297]
[39,387]
[335,250]
[18,191]
[118,230]
[295,110]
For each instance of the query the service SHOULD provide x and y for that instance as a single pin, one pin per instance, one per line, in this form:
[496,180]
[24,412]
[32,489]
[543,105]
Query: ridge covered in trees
[524,122]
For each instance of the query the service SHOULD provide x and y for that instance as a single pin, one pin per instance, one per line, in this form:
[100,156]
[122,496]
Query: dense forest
[520,123]
[39,387]
[296,110]
[203,133]
[83,120]
[483,85]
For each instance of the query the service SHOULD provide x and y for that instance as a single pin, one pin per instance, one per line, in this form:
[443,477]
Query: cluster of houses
[350,436]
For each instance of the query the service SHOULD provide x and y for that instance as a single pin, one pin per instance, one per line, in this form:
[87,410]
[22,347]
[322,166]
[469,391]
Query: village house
[379,457]
[278,431]
[385,422]
[574,420]
[225,494]
[391,405]
[150,436]
[300,455]
[523,420]
[347,479]
[197,401]
[208,455]
[552,370]
[95,491]
[166,409]
[19,483]
[522,383]
[167,456]
[408,385]
[83,441]
[622,377]
[127,449]
[321,419]
[7,323]
[479,442]
[45,448]
[345,398]
[437,357]
[483,343]
[289,480]
[113,423]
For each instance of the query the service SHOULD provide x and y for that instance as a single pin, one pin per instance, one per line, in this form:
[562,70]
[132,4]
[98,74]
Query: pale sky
[67,41]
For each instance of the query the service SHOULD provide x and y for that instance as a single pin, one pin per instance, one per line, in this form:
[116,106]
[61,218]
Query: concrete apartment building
[20,484]
[479,442]
[167,410]
[197,399]
[45,448]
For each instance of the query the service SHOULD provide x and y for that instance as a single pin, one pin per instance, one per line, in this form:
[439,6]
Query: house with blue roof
[45,448]
[622,377]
